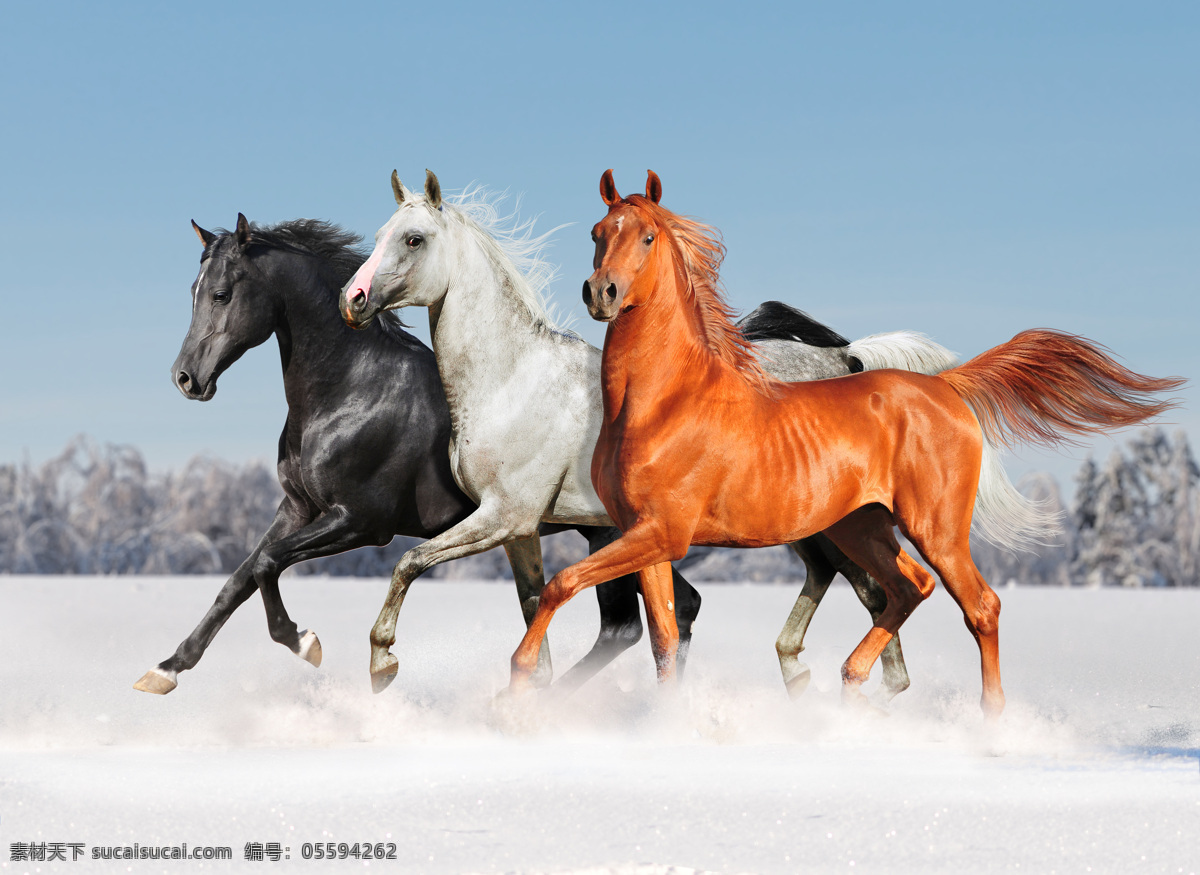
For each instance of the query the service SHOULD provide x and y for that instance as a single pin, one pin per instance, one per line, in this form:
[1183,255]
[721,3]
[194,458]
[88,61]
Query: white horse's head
[410,266]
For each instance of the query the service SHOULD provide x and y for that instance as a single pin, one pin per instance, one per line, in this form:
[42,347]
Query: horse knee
[265,568]
[557,592]
[987,615]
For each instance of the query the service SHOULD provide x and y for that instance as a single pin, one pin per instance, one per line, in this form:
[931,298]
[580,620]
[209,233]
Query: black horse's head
[229,312]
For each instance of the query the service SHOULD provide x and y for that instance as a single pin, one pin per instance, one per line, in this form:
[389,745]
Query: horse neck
[654,348]
[480,328]
[314,341]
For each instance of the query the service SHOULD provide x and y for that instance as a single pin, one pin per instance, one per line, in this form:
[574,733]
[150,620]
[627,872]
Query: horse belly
[793,475]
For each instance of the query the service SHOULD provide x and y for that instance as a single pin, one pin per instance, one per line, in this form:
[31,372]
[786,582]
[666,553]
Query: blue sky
[967,170]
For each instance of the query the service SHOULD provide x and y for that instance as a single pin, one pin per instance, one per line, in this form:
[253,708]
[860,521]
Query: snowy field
[1095,766]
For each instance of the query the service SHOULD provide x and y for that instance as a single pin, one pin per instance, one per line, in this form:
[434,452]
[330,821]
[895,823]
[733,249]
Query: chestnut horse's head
[626,239]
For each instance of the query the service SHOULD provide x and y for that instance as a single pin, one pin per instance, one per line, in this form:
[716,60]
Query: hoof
[856,703]
[514,712]
[798,682]
[310,648]
[520,686]
[382,677]
[883,696]
[157,681]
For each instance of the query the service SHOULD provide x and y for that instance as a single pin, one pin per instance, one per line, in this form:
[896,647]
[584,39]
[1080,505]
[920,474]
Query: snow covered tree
[1136,519]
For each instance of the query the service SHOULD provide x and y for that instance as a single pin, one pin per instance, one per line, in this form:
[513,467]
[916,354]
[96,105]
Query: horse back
[786,463]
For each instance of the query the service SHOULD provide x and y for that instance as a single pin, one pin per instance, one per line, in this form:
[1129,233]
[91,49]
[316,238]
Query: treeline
[96,509]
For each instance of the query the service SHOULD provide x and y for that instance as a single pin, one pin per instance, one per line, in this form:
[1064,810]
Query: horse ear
[653,186]
[397,189]
[206,237]
[243,230]
[608,188]
[433,191]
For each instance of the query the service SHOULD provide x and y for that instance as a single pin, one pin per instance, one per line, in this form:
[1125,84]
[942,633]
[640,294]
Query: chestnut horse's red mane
[701,251]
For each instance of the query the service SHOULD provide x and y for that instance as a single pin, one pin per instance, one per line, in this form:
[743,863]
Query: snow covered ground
[1095,766]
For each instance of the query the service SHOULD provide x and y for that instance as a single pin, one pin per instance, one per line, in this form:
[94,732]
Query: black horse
[364,451]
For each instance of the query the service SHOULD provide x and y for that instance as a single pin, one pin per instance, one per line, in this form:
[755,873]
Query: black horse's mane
[341,249]
[775,320]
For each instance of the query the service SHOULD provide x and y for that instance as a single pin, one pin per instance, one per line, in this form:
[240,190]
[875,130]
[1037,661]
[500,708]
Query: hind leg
[874,599]
[941,532]
[866,537]
[525,558]
[790,642]
[981,612]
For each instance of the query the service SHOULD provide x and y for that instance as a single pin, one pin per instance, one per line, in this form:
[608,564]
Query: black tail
[774,320]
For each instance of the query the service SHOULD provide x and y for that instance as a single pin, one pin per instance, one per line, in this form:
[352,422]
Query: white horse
[525,401]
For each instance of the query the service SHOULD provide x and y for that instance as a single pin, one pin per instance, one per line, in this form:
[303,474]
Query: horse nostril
[358,300]
[183,379]
[587,292]
[610,292]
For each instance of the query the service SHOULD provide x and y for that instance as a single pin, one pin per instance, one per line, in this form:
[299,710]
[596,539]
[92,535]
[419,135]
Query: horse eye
[649,239]
[222,296]
[414,241]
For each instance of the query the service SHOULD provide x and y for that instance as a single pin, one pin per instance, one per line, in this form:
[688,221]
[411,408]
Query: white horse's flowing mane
[510,239]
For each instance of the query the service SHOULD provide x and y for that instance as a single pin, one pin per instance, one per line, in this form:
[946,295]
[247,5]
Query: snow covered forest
[96,509]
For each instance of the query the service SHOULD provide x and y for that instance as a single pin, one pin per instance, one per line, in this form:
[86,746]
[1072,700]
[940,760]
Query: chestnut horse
[700,446]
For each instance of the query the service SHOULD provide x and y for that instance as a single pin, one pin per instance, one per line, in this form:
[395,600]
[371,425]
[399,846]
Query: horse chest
[475,463]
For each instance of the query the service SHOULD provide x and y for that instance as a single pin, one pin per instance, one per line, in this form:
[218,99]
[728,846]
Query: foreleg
[481,531]
[658,593]
[620,618]
[163,677]
[637,549]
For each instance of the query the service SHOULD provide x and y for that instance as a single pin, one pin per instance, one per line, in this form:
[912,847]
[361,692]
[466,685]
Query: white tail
[904,350]
[1003,516]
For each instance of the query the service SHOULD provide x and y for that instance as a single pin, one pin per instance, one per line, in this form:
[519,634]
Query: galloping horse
[364,453]
[525,395]
[700,446]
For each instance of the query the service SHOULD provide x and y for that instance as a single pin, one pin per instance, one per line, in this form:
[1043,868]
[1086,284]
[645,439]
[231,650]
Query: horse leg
[525,557]
[640,547]
[874,599]
[941,530]
[790,643]
[687,607]
[951,559]
[163,677]
[482,530]
[333,532]
[620,619]
[658,592]
[866,537]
